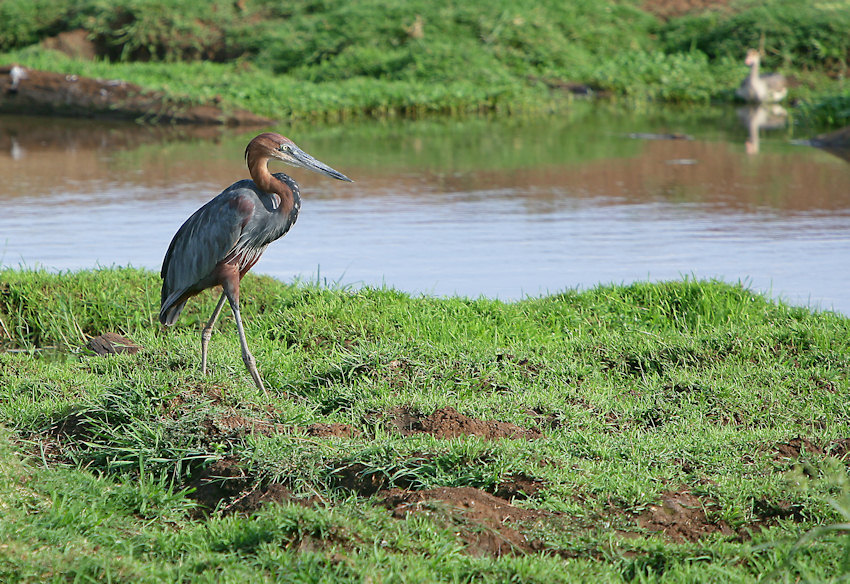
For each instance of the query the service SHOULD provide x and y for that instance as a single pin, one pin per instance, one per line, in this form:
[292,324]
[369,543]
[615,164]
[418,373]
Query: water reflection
[501,208]
[761,117]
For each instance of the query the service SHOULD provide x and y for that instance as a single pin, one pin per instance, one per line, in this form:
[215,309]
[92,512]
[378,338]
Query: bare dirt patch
[76,426]
[839,449]
[768,512]
[74,43]
[682,516]
[519,486]
[449,423]
[488,525]
[802,447]
[545,419]
[226,485]
[673,8]
[358,478]
[794,448]
[334,430]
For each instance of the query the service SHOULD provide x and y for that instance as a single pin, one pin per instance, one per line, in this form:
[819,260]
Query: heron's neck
[268,183]
[754,69]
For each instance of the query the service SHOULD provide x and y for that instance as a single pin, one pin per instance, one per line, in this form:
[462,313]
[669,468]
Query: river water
[499,208]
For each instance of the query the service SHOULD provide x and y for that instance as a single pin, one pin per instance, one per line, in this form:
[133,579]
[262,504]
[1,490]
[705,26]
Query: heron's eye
[286,148]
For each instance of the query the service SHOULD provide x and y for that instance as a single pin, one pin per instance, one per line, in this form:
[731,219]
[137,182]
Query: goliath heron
[222,240]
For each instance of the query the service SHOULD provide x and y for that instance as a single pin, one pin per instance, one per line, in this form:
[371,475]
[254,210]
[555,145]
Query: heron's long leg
[247,357]
[207,332]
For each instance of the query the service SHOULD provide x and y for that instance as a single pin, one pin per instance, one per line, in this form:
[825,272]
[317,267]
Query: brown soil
[487,524]
[449,423]
[768,512]
[544,419]
[225,485]
[354,477]
[672,8]
[43,92]
[681,516]
[797,447]
[794,448]
[75,426]
[232,424]
[112,343]
[333,430]
[74,43]
[839,449]
[519,486]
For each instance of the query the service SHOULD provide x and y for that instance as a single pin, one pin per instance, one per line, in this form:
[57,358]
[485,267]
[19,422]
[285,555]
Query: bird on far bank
[222,240]
[756,88]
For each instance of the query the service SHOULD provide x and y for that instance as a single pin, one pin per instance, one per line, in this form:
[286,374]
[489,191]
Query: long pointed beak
[304,160]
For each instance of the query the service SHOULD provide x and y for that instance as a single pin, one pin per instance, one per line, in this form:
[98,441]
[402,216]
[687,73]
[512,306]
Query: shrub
[809,35]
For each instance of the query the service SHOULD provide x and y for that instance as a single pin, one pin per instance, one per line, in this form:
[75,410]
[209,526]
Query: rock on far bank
[30,91]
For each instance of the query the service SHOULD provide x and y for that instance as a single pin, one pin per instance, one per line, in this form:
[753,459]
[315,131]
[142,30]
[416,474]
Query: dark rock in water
[111,343]
[836,143]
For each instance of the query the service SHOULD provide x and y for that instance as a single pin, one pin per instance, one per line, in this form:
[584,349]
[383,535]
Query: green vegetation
[312,59]
[615,400]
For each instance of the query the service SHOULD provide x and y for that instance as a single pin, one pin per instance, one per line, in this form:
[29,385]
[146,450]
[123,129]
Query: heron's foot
[251,364]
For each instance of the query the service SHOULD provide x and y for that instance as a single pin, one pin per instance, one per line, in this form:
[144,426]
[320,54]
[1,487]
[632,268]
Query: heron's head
[274,146]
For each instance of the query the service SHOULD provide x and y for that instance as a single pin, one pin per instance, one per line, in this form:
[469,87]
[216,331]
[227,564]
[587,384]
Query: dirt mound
[357,478]
[681,516]
[225,485]
[800,447]
[232,424]
[839,449]
[768,512]
[794,448]
[487,524]
[336,430]
[519,486]
[235,425]
[30,91]
[449,423]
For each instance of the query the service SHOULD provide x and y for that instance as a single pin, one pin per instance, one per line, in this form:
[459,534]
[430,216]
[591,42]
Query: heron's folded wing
[205,239]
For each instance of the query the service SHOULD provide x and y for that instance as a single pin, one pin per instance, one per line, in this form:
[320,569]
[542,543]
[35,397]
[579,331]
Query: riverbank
[308,61]
[679,430]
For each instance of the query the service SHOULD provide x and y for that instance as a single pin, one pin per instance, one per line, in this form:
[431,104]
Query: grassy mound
[673,431]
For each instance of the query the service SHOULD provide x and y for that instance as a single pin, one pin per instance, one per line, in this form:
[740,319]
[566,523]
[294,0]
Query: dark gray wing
[204,240]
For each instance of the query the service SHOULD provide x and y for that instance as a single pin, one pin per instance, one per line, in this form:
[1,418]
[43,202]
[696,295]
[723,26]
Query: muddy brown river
[499,208]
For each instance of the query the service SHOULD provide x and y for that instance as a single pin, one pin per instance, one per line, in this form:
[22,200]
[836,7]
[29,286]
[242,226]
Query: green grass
[639,390]
[308,59]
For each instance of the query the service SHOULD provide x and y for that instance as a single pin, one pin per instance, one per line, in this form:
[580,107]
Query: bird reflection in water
[761,117]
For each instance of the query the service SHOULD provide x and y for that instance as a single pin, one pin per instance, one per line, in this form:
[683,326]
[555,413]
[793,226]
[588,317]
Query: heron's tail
[169,314]
[172,304]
